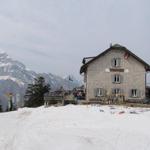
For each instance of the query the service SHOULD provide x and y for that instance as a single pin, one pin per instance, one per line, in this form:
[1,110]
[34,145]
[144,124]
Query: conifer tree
[35,93]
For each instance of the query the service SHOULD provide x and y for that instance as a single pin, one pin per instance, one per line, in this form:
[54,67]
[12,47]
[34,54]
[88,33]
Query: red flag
[126,55]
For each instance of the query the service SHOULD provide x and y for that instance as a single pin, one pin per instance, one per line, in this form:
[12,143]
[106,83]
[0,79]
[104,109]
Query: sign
[9,94]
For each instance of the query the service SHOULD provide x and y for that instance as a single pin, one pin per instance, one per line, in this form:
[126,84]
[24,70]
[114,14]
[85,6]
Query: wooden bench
[52,100]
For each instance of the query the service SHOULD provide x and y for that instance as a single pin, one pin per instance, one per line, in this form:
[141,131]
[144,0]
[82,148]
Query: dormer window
[116,62]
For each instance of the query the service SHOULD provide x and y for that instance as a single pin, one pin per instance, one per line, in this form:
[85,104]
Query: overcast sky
[54,35]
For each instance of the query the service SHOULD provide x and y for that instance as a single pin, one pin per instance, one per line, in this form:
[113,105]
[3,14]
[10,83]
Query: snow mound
[76,128]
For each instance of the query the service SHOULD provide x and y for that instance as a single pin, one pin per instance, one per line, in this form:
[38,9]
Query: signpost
[10,102]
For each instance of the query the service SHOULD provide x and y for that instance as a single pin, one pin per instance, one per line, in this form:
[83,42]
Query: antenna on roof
[110,44]
[70,79]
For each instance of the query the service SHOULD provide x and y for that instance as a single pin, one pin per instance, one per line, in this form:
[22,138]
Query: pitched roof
[118,47]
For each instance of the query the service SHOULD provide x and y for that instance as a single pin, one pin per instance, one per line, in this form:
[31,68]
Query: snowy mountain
[14,78]
[14,70]
[72,79]
[56,82]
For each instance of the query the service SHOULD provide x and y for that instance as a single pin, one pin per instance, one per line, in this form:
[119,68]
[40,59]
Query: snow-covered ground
[76,128]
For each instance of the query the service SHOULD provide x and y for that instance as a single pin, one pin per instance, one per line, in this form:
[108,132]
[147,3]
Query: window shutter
[113,62]
[113,91]
[95,92]
[130,93]
[98,92]
[105,92]
[119,91]
[121,78]
[119,62]
[138,93]
[113,78]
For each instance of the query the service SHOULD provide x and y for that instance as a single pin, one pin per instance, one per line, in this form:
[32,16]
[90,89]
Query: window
[116,62]
[135,93]
[99,92]
[117,78]
[116,91]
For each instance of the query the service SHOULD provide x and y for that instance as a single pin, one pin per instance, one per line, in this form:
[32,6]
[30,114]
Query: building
[113,73]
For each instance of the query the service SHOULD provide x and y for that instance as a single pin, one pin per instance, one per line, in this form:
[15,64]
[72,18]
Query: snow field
[76,128]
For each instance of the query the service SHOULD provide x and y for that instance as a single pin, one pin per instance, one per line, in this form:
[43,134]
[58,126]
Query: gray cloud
[54,35]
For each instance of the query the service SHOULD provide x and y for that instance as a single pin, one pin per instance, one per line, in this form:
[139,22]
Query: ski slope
[76,128]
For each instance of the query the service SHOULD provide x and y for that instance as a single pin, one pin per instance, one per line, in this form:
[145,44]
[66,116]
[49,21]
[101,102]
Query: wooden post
[63,96]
